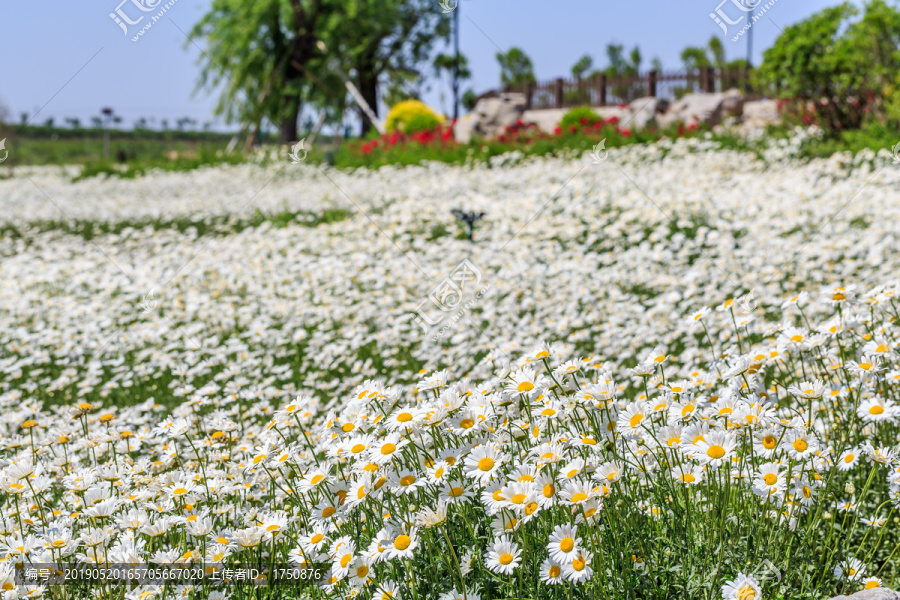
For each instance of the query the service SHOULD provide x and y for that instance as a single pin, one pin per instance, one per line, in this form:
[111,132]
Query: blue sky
[69,59]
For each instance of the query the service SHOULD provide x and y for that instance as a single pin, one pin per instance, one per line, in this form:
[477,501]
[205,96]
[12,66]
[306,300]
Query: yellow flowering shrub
[406,111]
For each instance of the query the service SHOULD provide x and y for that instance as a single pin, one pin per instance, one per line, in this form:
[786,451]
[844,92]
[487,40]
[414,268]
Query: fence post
[710,80]
[601,90]
[559,92]
[651,83]
[529,90]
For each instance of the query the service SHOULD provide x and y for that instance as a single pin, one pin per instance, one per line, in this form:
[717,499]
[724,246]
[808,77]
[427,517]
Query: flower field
[668,373]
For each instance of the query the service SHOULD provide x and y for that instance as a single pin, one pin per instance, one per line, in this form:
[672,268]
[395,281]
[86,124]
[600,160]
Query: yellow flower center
[456,492]
[345,560]
[362,571]
[388,448]
[636,420]
[486,463]
[404,417]
[467,423]
[402,542]
[688,478]
[549,490]
[525,386]
[357,448]
[746,593]
[554,571]
[769,442]
[518,498]
[876,410]
[317,538]
[872,585]
[579,497]
[800,445]
[770,478]
[578,564]
[716,451]
[408,480]
[567,544]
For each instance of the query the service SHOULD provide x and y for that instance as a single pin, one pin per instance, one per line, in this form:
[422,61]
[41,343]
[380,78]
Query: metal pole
[456,63]
[749,42]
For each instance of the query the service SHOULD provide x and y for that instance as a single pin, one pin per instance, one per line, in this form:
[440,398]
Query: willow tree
[261,54]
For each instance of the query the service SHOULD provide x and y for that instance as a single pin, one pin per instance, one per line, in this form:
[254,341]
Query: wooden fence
[602,90]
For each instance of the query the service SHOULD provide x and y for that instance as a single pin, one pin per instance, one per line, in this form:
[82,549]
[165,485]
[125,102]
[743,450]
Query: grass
[140,151]
[219,225]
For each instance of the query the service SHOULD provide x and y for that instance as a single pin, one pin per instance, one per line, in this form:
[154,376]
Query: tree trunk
[367,81]
[288,126]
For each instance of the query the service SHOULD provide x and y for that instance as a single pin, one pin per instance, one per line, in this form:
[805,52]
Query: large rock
[492,115]
[546,119]
[644,110]
[462,130]
[703,108]
[874,594]
[759,113]
[608,112]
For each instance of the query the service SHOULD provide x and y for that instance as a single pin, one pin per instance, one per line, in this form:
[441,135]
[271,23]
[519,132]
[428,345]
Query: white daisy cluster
[265,396]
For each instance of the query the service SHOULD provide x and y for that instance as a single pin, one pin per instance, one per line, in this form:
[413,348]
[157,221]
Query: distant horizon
[155,77]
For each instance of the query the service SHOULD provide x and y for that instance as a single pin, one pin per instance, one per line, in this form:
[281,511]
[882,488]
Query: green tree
[515,67]
[582,66]
[623,68]
[712,55]
[468,100]
[841,65]
[259,54]
[446,63]
[385,44]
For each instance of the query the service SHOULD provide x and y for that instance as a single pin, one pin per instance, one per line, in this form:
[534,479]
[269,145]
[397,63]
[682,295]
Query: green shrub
[579,117]
[421,122]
